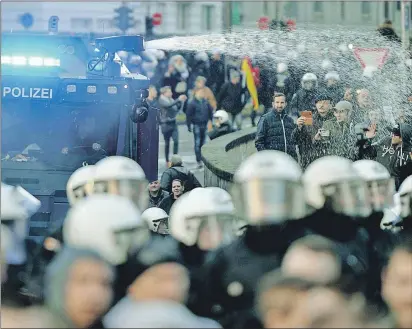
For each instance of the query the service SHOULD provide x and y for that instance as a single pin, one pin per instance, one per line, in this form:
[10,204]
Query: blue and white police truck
[68,102]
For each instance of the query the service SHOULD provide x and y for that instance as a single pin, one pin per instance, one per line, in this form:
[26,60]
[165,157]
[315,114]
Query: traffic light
[53,24]
[149,26]
[124,20]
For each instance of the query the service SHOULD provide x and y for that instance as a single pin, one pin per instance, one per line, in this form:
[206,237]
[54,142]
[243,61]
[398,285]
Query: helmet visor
[349,198]
[161,226]
[80,192]
[269,201]
[308,84]
[131,238]
[211,231]
[136,190]
[381,193]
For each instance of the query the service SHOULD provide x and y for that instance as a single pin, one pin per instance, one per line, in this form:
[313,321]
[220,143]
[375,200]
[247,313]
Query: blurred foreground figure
[112,226]
[277,300]
[17,206]
[339,198]
[201,221]
[380,190]
[78,187]
[268,195]
[78,291]
[162,307]
[405,195]
[121,176]
[397,284]
[313,258]
[78,183]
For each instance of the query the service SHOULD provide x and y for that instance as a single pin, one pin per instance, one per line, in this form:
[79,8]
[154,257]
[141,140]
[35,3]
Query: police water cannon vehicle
[66,103]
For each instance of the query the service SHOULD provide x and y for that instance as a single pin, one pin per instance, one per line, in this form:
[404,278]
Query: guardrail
[223,155]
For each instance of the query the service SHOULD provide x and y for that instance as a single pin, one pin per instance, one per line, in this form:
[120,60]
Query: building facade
[369,14]
[97,17]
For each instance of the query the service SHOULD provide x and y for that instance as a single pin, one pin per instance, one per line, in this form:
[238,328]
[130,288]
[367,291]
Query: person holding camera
[309,135]
[395,152]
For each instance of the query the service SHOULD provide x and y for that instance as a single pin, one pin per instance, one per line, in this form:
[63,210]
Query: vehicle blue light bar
[29,61]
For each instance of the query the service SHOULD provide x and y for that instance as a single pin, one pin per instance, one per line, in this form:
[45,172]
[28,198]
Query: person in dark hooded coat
[386,30]
[395,152]
[78,292]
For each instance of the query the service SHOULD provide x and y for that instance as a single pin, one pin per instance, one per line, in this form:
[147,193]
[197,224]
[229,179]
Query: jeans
[199,133]
[174,134]
[238,119]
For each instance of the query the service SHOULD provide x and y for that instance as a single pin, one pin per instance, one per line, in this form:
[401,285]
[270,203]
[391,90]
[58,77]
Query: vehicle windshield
[56,136]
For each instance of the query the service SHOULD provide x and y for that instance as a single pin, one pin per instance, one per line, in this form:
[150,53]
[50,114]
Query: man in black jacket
[274,131]
[199,113]
[156,194]
[177,171]
[231,98]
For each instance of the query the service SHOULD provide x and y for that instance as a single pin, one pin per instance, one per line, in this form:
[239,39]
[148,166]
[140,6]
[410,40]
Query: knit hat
[176,159]
[322,97]
[343,106]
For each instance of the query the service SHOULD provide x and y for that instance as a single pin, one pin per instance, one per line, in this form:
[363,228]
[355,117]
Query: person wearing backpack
[178,171]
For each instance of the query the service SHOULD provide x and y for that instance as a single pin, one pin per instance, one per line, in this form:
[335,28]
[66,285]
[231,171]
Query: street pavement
[186,151]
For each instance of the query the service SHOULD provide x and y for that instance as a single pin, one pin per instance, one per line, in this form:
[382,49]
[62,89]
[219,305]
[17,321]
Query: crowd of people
[328,247]
[314,231]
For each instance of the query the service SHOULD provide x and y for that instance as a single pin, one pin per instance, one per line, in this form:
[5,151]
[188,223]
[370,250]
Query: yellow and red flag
[250,81]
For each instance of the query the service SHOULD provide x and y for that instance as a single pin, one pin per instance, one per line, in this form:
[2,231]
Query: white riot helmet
[381,187]
[17,206]
[109,224]
[78,185]
[157,219]
[222,116]
[369,71]
[332,75]
[201,56]
[405,194]
[332,182]
[123,176]
[282,68]
[203,219]
[160,54]
[267,189]
[327,64]
[309,81]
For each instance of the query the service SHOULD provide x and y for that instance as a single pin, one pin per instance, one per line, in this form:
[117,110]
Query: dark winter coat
[244,262]
[335,92]
[178,172]
[389,33]
[217,75]
[154,201]
[199,112]
[167,203]
[309,149]
[230,98]
[274,132]
[395,158]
